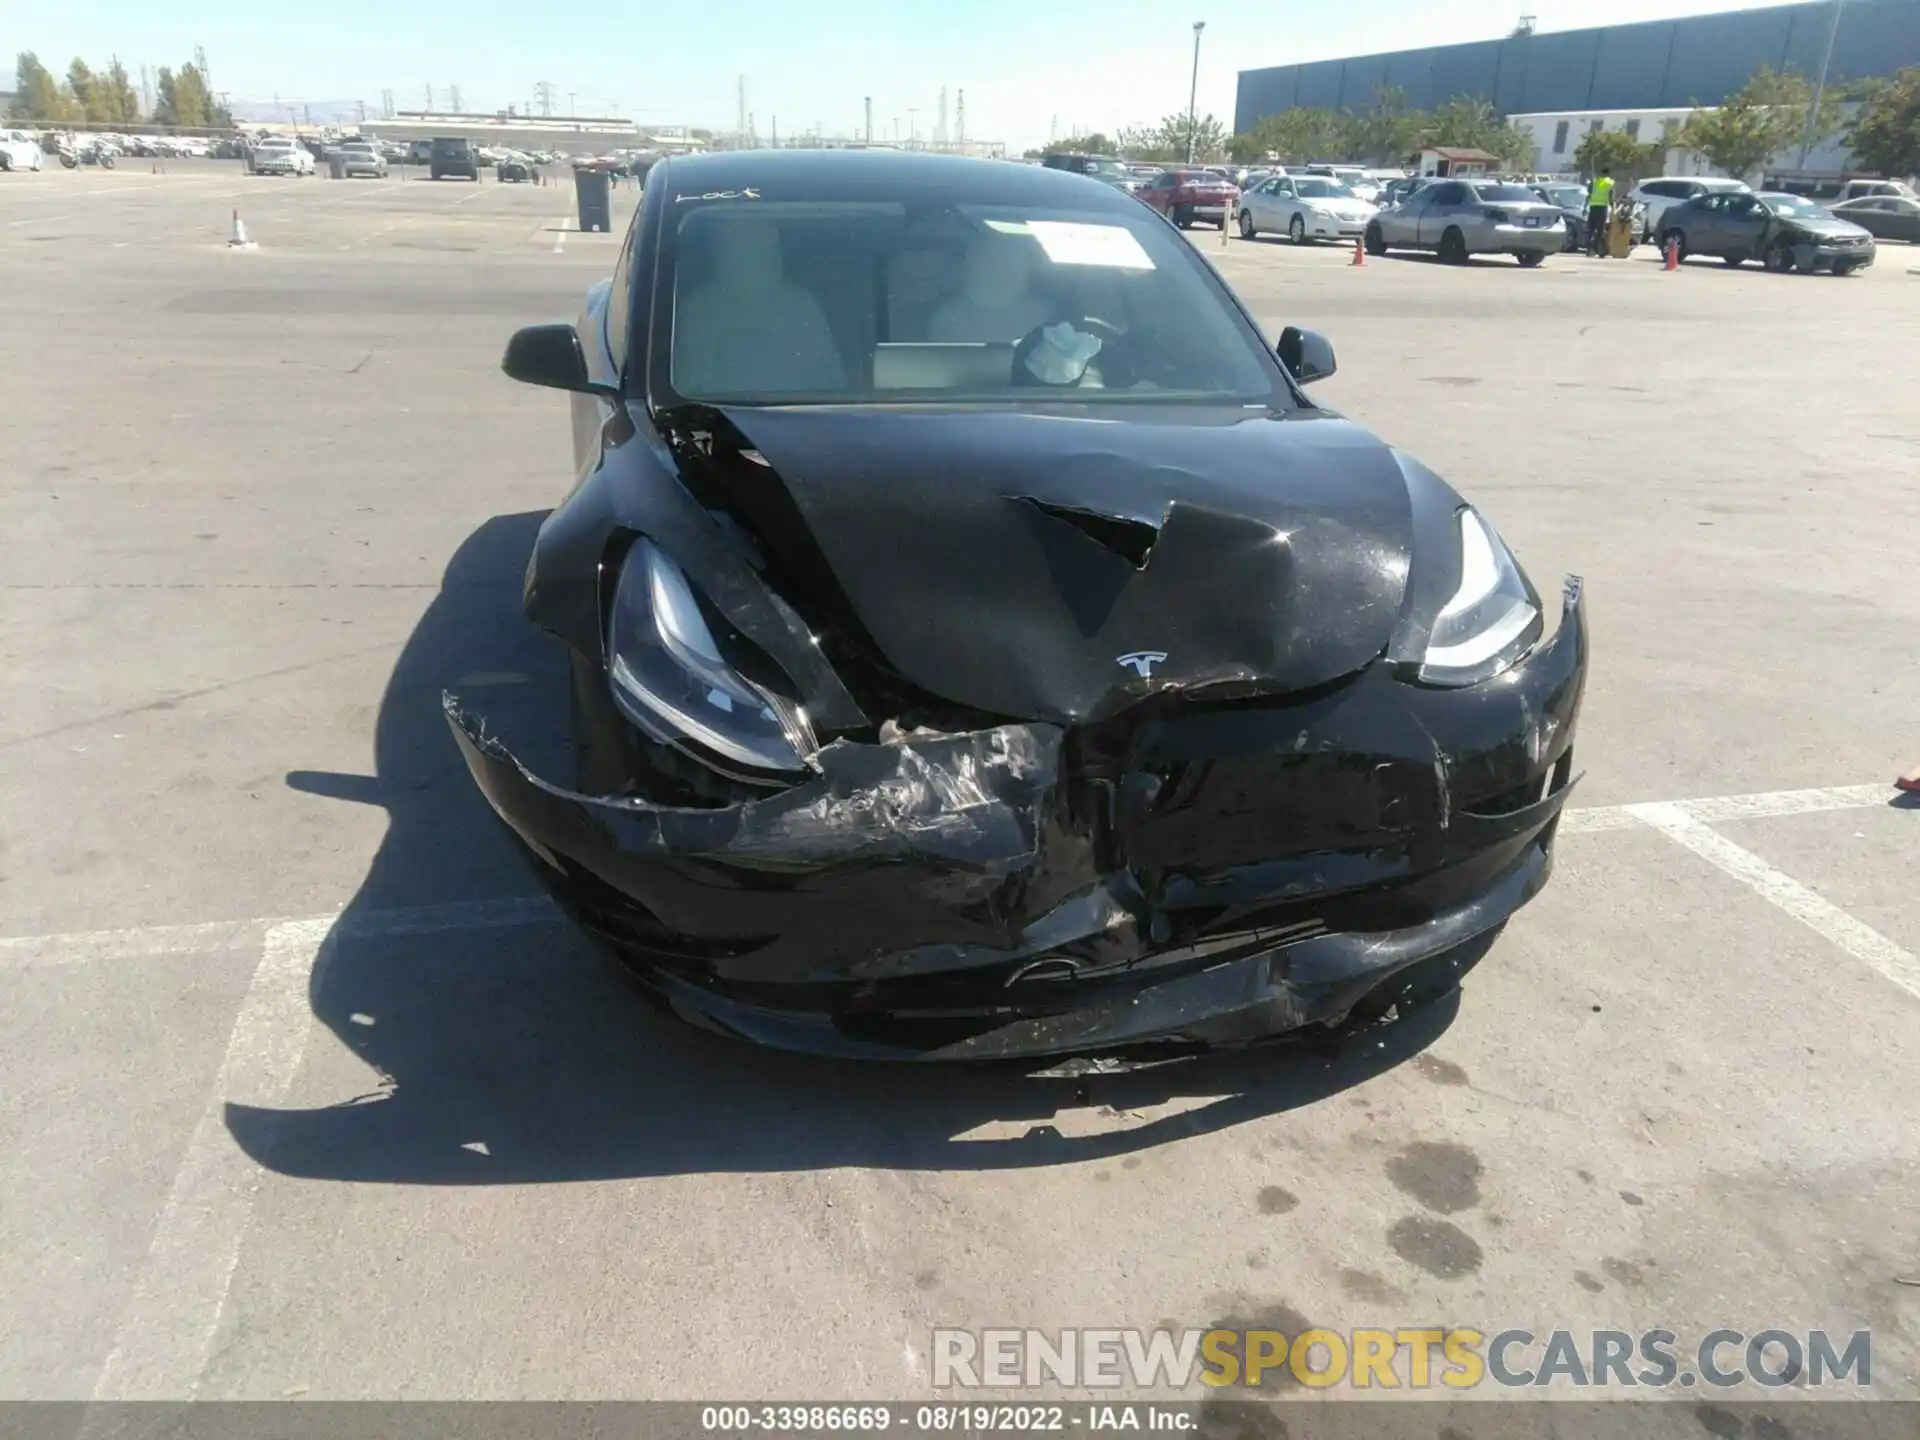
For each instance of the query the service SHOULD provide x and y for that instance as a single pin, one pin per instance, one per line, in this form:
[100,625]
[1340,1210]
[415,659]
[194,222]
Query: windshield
[1795,207]
[857,301]
[1507,193]
[1313,187]
[1567,197]
[1101,165]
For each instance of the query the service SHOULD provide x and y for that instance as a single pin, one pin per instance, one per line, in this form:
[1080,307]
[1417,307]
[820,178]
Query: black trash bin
[596,201]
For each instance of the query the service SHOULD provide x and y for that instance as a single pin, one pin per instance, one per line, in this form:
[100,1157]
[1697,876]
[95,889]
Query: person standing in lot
[1599,203]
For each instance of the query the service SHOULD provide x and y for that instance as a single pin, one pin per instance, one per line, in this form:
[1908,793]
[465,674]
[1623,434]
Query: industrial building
[1654,66]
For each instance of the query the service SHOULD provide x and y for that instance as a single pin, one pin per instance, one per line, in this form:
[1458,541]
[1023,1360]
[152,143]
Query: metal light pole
[1193,90]
[1820,85]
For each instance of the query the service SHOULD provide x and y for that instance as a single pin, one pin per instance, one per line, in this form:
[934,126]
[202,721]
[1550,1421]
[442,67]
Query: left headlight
[1491,620]
[670,678]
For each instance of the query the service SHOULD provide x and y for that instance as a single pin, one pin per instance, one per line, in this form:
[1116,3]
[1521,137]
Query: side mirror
[1307,353]
[550,355]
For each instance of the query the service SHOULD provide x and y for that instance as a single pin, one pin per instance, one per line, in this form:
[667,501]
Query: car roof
[889,174]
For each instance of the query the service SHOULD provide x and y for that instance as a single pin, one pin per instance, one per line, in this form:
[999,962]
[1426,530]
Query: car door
[1741,225]
[1160,193]
[1281,203]
[1900,220]
[1401,224]
[1443,208]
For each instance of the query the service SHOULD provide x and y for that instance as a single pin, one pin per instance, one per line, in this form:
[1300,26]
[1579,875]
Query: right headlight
[670,678]
[1492,619]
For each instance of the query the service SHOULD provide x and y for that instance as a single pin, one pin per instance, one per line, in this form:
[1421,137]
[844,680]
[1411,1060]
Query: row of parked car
[1528,217]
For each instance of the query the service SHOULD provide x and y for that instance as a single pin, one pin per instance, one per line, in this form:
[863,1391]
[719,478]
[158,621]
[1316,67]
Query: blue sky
[1022,63]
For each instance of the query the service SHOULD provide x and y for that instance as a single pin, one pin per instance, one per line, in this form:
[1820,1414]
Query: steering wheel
[1115,371]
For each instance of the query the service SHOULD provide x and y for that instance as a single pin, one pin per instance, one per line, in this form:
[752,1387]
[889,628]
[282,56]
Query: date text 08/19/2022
[782,1419]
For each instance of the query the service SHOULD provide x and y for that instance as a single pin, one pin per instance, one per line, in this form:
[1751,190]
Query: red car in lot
[1184,196]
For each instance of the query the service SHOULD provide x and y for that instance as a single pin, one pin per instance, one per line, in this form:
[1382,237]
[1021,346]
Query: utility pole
[453,98]
[1820,85]
[940,131]
[429,99]
[869,119]
[913,128]
[363,111]
[1193,90]
[740,126]
[960,123]
[386,103]
[146,92]
[775,142]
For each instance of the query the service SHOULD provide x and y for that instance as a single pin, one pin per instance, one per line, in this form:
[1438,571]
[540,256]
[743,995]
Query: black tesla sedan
[982,647]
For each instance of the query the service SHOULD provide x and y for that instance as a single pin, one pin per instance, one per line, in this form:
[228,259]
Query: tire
[1672,239]
[1780,257]
[1734,259]
[1297,230]
[6,162]
[1845,267]
[1183,216]
[106,162]
[1453,247]
[1529,259]
[1375,240]
[1248,230]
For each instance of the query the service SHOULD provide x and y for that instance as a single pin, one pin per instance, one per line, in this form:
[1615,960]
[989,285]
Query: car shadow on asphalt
[512,1053]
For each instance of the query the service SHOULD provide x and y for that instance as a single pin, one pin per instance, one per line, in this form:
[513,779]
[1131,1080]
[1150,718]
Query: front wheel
[1780,257]
[106,162]
[71,162]
[1375,240]
[1297,230]
[1530,258]
[1733,260]
[1248,230]
[1453,247]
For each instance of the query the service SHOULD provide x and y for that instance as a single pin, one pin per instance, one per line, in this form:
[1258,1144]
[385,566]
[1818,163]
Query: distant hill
[324,112]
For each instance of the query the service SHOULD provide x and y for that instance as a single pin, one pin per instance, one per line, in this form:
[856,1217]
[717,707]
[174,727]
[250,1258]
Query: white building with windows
[1556,136]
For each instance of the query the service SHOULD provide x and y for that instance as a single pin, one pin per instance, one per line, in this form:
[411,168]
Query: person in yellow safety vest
[1599,203]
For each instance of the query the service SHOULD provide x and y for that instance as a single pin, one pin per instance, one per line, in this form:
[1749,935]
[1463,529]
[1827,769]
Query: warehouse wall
[1655,65]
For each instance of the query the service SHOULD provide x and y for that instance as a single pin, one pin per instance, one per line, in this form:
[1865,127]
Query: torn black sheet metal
[1200,873]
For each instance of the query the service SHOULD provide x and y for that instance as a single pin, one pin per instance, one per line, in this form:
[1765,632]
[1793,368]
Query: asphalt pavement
[307,1094]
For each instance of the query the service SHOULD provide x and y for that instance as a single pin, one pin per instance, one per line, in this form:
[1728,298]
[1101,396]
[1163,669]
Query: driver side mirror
[1307,353]
[550,355]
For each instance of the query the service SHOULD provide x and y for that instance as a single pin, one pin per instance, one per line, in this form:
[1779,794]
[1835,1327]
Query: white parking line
[167,1329]
[560,237]
[1863,942]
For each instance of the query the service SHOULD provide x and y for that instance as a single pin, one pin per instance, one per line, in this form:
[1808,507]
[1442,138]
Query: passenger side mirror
[550,355]
[1307,353]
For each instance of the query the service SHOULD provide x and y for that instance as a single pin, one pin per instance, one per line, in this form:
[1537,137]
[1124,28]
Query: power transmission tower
[429,99]
[146,91]
[940,129]
[200,64]
[453,98]
[869,119]
[960,123]
[740,126]
[363,111]
[386,103]
[545,92]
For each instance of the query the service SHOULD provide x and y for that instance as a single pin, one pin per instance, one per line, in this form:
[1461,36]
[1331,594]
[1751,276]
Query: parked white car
[19,150]
[358,157]
[1304,207]
[1668,190]
[277,155]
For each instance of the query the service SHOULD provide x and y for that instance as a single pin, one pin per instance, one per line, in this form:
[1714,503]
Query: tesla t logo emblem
[1143,661]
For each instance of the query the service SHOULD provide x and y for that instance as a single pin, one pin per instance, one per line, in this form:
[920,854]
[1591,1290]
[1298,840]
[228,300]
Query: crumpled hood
[1826,229]
[1063,566]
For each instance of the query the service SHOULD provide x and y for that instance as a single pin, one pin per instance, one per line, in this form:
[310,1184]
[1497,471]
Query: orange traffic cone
[1673,253]
[238,239]
[1359,251]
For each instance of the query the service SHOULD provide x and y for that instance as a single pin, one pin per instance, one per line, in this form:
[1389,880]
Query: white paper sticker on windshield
[1110,246]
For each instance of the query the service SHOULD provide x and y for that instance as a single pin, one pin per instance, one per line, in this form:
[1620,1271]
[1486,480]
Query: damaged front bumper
[1203,875]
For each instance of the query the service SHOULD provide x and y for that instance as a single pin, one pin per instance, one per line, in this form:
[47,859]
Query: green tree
[1885,134]
[1168,140]
[39,96]
[1300,134]
[1756,122]
[114,93]
[1618,152]
[185,101]
[1094,144]
[1388,131]
[84,88]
